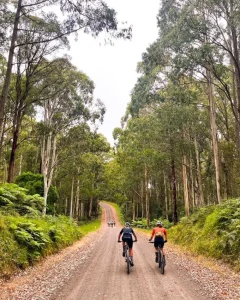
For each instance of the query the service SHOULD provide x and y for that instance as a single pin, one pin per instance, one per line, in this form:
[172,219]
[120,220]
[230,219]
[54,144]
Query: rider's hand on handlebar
[135,241]
[150,240]
[165,241]
[119,241]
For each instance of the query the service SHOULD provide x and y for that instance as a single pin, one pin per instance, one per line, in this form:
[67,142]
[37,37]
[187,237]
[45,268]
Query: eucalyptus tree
[70,103]
[208,50]
[31,69]
[92,16]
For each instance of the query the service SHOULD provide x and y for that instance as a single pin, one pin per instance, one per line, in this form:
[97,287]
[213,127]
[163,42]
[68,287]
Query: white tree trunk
[199,175]
[71,201]
[165,195]
[48,154]
[77,198]
[214,134]
[185,185]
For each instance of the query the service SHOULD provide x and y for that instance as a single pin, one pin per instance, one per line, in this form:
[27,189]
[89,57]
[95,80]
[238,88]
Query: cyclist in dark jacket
[127,233]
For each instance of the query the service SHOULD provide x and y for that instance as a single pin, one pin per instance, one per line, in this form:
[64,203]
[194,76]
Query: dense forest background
[178,148]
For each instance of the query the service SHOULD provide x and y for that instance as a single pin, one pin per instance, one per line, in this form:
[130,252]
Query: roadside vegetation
[27,237]
[212,231]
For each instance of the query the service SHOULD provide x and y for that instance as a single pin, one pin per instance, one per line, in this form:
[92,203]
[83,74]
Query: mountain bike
[161,259]
[127,256]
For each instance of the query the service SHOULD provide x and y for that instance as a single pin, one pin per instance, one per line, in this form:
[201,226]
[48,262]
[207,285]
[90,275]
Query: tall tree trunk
[72,197]
[147,196]
[90,207]
[16,128]
[142,198]
[199,175]
[185,185]
[2,136]
[192,182]
[20,164]
[12,156]
[133,209]
[165,195]
[81,210]
[174,193]
[77,198]
[214,133]
[66,206]
[7,79]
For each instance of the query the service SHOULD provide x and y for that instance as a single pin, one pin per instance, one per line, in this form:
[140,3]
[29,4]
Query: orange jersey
[159,232]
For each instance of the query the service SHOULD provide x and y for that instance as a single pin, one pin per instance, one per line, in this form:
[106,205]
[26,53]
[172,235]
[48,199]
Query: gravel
[216,280]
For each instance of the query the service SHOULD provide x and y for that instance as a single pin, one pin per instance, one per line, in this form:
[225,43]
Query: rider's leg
[156,254]
[130,245]
[124,248]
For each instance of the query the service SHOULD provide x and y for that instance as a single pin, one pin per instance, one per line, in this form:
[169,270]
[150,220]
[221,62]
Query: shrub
[33,183]
[14,199]
[212,231]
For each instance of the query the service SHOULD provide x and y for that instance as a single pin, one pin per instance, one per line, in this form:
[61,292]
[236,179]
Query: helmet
[159,223]
[127,224]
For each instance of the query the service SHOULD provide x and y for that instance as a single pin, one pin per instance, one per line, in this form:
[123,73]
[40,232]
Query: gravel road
[94,269]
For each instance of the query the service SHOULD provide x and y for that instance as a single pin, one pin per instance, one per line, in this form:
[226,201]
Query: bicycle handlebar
[122,241]
[150,242]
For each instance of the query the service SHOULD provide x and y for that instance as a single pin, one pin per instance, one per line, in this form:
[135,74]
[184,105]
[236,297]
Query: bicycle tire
[162,264]
[128,261]
[159,257]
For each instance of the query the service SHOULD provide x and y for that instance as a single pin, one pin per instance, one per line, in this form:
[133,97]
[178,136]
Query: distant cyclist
[160,237]
[127,233]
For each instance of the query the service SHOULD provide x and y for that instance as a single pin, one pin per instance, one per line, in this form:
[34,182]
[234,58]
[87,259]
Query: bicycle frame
[161,259]
[127,256]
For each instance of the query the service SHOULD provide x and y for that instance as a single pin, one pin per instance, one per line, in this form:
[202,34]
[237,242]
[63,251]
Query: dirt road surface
[94,269]
[105,276]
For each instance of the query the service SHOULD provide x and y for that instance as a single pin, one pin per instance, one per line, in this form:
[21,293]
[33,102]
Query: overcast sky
[113,68]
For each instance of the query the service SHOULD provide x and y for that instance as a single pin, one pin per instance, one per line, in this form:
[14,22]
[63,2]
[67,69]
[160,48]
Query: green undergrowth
[25,236]
[213,231]
[25,241]
[90,227]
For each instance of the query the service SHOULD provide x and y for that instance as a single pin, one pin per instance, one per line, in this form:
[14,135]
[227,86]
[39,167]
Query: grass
[90,227]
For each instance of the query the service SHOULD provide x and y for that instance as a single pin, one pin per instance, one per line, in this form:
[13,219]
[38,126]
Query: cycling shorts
[128,241]
[158,242]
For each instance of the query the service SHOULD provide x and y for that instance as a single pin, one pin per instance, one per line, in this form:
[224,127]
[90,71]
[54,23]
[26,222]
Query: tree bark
[133,209]
[142,198]
[174,193]
[199,175]
[77,198]
[66,205]
[185,185]
[147,196]
[214,133]
[72,197]
[90,207]
[165,195]
[7,79]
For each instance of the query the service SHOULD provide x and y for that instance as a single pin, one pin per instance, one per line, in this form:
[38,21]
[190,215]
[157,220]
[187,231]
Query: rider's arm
[165,235]
[134,235]
[120,233]
[153,231]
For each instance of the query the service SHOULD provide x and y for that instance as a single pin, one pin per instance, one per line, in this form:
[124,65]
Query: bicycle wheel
[159,257]
[162,264]
[128,261]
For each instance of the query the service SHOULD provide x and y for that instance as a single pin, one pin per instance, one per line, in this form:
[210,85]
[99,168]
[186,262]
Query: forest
[177,151]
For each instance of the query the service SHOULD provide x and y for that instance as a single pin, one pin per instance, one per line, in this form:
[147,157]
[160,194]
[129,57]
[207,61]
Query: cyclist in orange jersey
[160,237]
